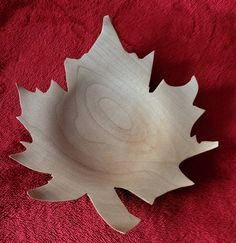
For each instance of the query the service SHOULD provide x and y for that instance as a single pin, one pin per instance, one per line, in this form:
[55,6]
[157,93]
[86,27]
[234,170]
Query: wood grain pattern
[109,132]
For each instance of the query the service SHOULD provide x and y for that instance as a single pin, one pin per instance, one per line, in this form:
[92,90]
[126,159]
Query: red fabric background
[189,37]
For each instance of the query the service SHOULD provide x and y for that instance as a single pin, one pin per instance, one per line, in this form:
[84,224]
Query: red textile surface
[189,37]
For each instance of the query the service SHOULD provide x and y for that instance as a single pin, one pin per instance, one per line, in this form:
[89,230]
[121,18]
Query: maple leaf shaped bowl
[109,132]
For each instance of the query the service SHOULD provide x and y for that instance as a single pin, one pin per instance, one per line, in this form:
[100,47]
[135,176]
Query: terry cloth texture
[189,38]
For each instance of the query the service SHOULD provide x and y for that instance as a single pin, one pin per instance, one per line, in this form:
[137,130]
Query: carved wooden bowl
[109,132]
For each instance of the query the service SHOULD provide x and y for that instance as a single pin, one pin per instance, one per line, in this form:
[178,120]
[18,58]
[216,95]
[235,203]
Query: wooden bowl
[109,132]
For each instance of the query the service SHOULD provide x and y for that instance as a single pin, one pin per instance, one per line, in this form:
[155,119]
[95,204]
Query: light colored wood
[109,132]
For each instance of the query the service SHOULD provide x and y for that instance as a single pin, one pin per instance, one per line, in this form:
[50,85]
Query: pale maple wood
[109,132]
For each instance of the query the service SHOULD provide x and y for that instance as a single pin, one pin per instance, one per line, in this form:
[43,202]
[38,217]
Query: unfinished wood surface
[109,132]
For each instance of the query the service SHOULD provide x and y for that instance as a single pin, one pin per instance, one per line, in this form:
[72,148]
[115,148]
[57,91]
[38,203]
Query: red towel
[189,38]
